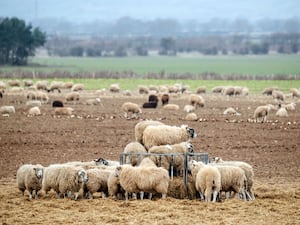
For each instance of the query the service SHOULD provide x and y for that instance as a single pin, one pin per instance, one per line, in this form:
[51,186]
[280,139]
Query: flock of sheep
[149,163]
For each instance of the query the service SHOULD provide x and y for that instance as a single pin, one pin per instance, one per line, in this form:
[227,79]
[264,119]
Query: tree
[18,41]
[167,46]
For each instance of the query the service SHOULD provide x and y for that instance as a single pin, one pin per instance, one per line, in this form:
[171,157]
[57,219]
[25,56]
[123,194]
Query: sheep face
[192,164]
[101,161]
[38,172]
[82,175]
[117,171]
[190,147]
[191,132]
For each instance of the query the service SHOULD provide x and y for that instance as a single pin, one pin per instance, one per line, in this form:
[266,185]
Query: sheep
[67,85]
[232,179]
[152,98]
[217,89]
[171,107]
[153,88]
[106,162]
[189,108]
[141,126]
[165,99]
[295,92]
[282,112]
[28,83]
[2,85]
[143,89]
[31,95]
[55,85]
[134,153]
[114,88]
[77,87]
[228,91]
[149,105]
[261,113]
[127,93]
[207,180]
[172,163]
[278,95]
[143,179]
[67,111]
[201,90]
[147,162]
[248,172]
[196,100]
[33,103]
[290,107]
[7,109]
[14,83]
[42,85]
[72,96]
[57,103]
[114,188]
[231,111]
[269,90]
[129,107]
[34,111]
[164,134]
[95,101]
[42,96]
[64,179]
[16,90]
[191,117]
[97,182]
[29,177]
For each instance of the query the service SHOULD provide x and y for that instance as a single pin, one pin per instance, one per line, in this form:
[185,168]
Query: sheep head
[82,175]
[101,161]
[191,132]
[39,172]
[190,147]
[117,171]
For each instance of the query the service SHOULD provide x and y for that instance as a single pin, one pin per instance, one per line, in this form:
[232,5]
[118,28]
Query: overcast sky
[201,10]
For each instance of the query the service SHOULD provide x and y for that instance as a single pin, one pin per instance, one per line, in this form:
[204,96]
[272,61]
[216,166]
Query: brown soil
[272,148]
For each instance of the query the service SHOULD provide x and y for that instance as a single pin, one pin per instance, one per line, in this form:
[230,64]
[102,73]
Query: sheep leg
[201,196]
[75,196]
[134,196]
[103,194]
[163,196]
[215,194]
[150,196]
[126,196]
[227,194]
[142,195]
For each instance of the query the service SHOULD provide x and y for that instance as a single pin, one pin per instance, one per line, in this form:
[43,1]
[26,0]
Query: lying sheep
[189,108]
[114,88]
[97,182]
[14,83]
[96,101]
[191,117]
[28,83]
[67,111]
[171,107]
[106,162]
[141,126]
[248,173]
[34,111]
[64,180]
[232,179]
[231,111]
[207,180]
[171,157]
[77,87]
[7,109]
[282,112]
[33,103]
[134,153]
[196,100]
[42,85]
[29,177]
[228,91]
[164,134]
[67,85]
[143,179]
[57,103]
[132,108]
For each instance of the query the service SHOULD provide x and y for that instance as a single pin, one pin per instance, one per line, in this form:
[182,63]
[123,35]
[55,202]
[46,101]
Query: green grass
[224,65]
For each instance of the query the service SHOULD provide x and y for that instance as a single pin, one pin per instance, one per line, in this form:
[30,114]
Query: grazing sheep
[14,83]
[114,88]
[77,87]
[189,108]
[31,95]
[16,90]
[232,179]
[196,100]
[7,109]
[231,111]
[42,96]
[42,85]
[34,111]
[67,85]
[97,182]
[143,89]
[171,107]
[238,90]
[72,96]
[261,113]
[33,103]
[28,83]
[57,103]
[129,107]
[173,163]
[55,86]
[29,177]
[143,179]
[64,179]
[134,153]
[67,111]
[282,112]
[207,180]
[278,95]
[228,91]
[248,172]
[191,117]
[165,99]
[217,89]
[164,134]
[141,126]
[269,90]
[201,90]
[295,92]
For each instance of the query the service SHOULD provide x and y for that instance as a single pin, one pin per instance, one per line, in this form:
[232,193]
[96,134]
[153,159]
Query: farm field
[95,131]
[223,65]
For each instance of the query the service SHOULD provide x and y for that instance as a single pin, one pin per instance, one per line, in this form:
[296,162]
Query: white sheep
[164,134]
[134,153]
[261,113]
[295,92]
[189,108]
[196,100]
[278,95]
[207,180]
[72,96]
[97,182]
[132,108]
[33,103]
[68,111]
[143,179]
[67,85]
[115,88]
[105,162]
[248,172]
[114,188]
[77,87]
[141,126]
[29,177]
[171,107]
[41,85]
[233,179]
[34,111]
[289,107]
[64,179]
[282,112]
[7,109]
[96,101]
[42,96]
[231,111]
[191,117]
